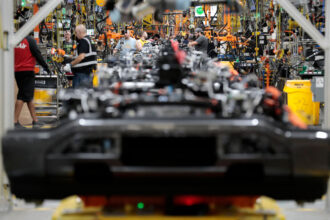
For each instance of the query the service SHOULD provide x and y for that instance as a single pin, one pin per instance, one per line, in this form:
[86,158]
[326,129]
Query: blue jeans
[82,80]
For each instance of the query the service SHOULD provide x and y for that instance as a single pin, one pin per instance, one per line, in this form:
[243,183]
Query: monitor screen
[90,32]
[199,12]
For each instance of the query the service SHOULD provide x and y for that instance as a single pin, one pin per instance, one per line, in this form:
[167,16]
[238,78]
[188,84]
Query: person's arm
[78,59]
[138,45]
[196,42]
[118,46]
[36,53]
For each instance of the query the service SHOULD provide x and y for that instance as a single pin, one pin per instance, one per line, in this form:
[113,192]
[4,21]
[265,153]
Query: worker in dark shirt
[186,39]
[83,66]
[68,44]
[201,43]
[26,55]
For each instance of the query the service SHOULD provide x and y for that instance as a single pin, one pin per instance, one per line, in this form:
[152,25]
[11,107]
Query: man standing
[26,55]
[82,67]
[127,45]
[201,43]
[142,41]
[186,40]
[156,39]
[68,44]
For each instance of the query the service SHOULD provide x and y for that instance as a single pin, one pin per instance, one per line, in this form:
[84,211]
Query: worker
[26,55]
[83,66]
[142,41]
[68,43]
[155,40]
[191,38]
[201,43]
[126,45]
[186,39]
[156,37]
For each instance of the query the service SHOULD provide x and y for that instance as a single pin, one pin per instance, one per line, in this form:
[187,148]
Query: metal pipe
[34,21]
[304,23]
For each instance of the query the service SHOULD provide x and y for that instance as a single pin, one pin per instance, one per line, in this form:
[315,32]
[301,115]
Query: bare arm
[138,45]
[78,59]
[194,43]
[118,46]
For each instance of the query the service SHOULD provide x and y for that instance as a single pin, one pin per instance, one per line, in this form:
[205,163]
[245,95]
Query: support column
[8,41]
[327,68]
[326,124]
[6,87]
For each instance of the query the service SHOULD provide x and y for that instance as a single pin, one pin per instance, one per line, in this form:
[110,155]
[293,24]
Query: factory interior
[164,109]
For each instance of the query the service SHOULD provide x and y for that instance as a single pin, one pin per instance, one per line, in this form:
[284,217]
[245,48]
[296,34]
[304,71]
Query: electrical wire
[256,33]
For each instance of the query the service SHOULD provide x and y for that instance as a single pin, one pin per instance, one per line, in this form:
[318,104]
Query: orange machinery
[209,33]
[113,35]
[109,34]
[181,23]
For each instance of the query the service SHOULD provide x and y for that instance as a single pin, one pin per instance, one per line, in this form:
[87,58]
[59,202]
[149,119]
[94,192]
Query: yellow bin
[44,96]
[300,100]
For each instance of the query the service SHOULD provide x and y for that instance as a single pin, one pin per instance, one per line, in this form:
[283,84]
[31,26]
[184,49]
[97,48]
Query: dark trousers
[82,80]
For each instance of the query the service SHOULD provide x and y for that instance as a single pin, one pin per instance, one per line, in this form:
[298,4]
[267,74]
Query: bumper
[161,157]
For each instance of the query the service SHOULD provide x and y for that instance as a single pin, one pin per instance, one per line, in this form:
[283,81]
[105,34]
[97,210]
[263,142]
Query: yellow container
[44,96]
[300,100]
[95,80]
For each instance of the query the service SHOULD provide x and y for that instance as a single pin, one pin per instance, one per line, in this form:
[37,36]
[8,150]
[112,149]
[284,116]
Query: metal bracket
[35,20]
[304,23]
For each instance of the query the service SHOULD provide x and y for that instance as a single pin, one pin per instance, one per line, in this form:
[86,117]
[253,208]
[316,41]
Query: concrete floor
[309,211]
[23,211]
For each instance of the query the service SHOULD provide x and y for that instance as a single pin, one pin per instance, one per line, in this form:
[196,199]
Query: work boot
[37,124]
[19,126]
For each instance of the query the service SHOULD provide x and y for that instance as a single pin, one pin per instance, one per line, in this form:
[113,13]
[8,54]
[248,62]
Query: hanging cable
[256,33]
[1,33]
